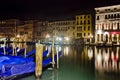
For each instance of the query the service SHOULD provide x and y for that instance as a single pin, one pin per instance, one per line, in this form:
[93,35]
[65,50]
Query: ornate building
[107,26]
[84,27]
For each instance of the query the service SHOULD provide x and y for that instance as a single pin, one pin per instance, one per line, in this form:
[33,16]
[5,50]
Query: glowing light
[58,38]
[99,58]
[66,38]
[66,51]
[106,33]
[99,31]
[18,36]
[47,36]
[106,57]
[90,54]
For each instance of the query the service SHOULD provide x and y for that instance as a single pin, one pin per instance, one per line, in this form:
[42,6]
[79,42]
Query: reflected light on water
[58,48]
[66,51]
[90,53]
[107,60]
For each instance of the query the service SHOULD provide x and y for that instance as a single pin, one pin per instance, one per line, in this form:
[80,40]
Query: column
[100,38]
[96,38]
[108,38]
[117,38]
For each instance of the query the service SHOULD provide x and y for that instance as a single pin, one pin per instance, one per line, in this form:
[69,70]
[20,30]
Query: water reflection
[66,51]
[90,53]
[83,63]
[107,59]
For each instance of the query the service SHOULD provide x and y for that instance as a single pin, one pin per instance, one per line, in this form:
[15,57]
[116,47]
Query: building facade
[84,28]
[62,28]
[107,24]
[41,30]
[8,28]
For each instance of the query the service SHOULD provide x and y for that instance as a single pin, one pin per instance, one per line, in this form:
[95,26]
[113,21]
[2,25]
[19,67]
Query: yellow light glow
[47,36]
[66,38]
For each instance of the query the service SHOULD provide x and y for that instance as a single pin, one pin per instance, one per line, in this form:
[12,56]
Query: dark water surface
[84,63]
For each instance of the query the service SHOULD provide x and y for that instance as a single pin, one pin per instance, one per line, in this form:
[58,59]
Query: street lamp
[47,36]
[67,39]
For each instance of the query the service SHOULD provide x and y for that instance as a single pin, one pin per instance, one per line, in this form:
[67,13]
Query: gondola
[11,66]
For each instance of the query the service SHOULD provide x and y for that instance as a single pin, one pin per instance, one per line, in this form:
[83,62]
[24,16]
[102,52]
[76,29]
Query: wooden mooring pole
[25,45]
[53,60]
[4,47]
[38,68]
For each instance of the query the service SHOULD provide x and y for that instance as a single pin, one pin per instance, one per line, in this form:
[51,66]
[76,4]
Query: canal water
[83,63]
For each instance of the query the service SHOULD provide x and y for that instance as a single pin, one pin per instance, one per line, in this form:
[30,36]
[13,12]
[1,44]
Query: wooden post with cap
[38,68]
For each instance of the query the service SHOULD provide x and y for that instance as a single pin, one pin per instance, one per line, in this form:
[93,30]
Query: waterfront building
[20,33]
[29,32]
[41,30]
[107,24]
[8,28]
[64,29]
[84,29]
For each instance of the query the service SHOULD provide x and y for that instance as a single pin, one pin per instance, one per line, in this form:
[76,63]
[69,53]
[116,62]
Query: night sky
[23,9]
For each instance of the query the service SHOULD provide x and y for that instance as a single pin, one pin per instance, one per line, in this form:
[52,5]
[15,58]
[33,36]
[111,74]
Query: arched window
[111,15]
[118,15]
[114,15]
[108,16]
[105,16]
[97,17]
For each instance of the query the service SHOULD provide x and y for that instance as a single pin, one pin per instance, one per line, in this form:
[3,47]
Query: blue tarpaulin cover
[14,65]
